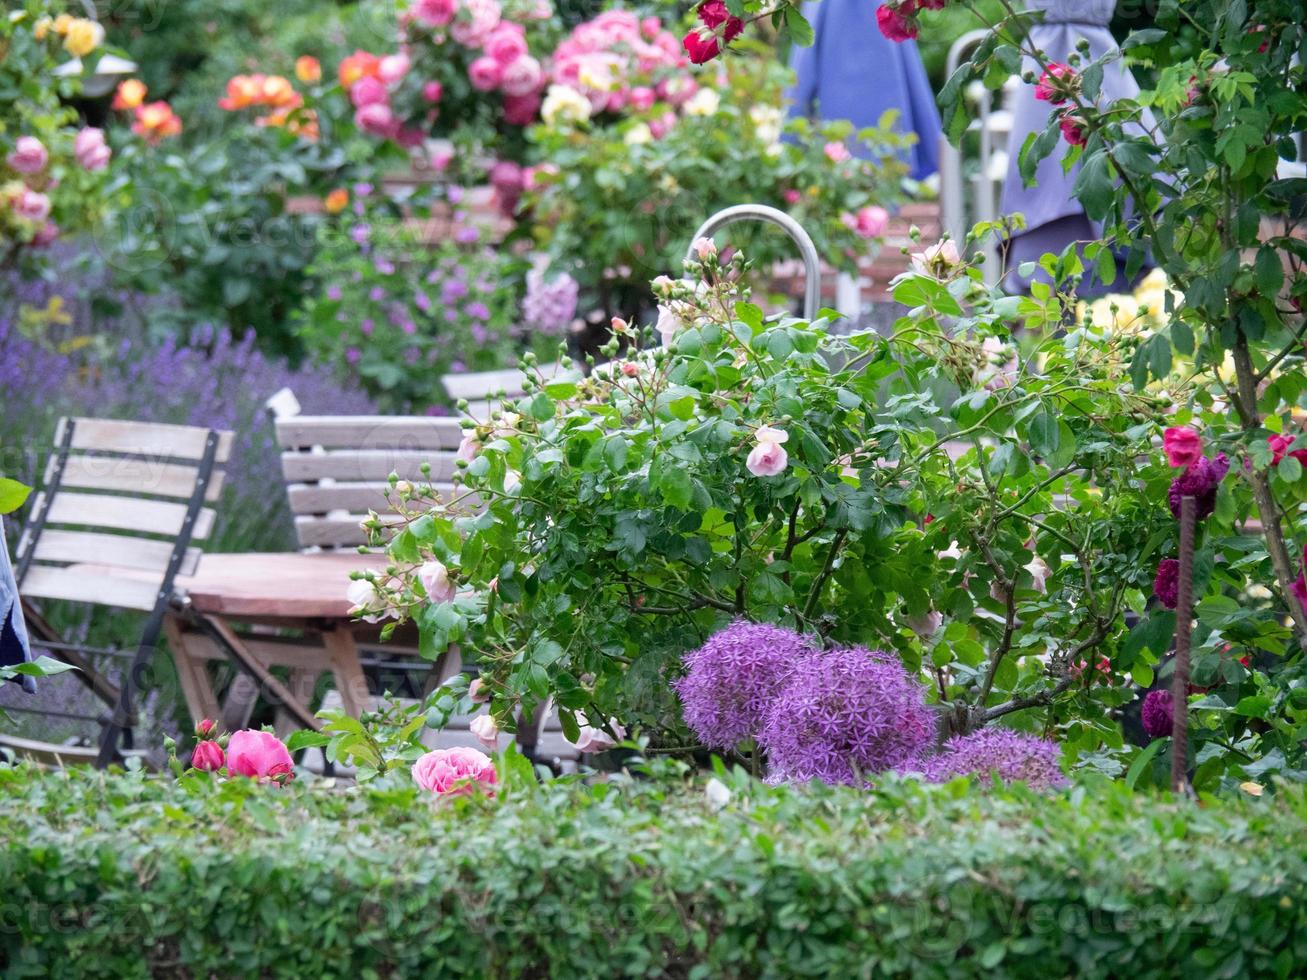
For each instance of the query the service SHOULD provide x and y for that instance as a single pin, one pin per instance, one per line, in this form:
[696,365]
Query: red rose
[1054,85]
[714,14]
[896,23]
[699,48]
[1073,130]
[1280,444]
[1182,445]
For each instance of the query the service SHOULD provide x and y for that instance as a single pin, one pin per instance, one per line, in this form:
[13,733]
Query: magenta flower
[1182,445]
[1054,85]
[1166,585]
[845,714]
[1010,755]
[731,680]
[1199,481]
[1299,588]
[1157,713]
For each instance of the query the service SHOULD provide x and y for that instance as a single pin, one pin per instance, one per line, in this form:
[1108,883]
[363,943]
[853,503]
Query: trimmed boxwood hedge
[133,876]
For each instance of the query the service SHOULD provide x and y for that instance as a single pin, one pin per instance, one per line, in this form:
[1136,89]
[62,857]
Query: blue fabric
[14,645]
[853,72]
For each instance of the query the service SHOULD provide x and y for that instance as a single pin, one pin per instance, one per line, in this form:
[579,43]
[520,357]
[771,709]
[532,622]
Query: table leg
[343,655]
[201,700]
[252,665]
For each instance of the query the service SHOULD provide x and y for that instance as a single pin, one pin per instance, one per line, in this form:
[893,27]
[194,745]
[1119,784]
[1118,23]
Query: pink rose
[483,17]
[432,91]
[651,27]
[1183,446]
[90,150]
[468,448]
[506,175]
[435,13]
[869,222]
[791,196]
[705,248]
[392,68]
[259,755]
[368,91]
[522,77]
[486,729]
[1073,130]
[47,233]
[836,152]
[409,138]
[520,110]
[28,156]
[378,120]
[506,43]
[1299,586]
[32,205]
[642,98]
[663,125]
[455,772]
[207,757]
[1054,85]
[434,577]
[592,740]
[768,457]
[485,73]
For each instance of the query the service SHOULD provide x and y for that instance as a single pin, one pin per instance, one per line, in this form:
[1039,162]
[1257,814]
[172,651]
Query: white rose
[703,103]
[591,740]
[717,792]
[638,135]
[564,105]
[667,325]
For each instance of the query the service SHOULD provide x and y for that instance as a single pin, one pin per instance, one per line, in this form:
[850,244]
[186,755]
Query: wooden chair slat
[366,464]
[121,550]
[388,432]
[91,584]
[133,474]
[357,498]
[335,532]
[124,514]
[483,384]
[143,438]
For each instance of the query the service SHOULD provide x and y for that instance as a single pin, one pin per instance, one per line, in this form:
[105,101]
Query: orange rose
[357,65]
[243,91]
[130,94]
[335,201]
[308,69]
[279,93]
[155,120]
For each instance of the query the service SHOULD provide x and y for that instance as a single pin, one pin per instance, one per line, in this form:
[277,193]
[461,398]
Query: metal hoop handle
[772,216]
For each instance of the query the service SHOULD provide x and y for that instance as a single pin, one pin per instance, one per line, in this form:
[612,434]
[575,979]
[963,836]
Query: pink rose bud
[486,729]
[432,91]
[1073,130]
[705,248]
[259,755]
[29,155]
[453,772]
[477,691]
[1054,84]
[630,370]
[205,728]
[32,205]
[208,757]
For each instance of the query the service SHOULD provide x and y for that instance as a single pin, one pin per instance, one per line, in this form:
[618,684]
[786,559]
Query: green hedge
[130,876]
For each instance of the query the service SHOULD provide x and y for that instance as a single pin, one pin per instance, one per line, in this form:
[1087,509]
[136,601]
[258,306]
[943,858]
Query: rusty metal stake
[1184,610]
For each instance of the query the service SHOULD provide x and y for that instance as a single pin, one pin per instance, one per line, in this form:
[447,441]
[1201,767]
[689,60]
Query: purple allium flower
[384,266]
[1166,586]
[1156,713]
[367,326]
[333,292]
[454,194]
[465,235]
[454,289]
[1200,482]
[732,679]
[360,233]
[353,355]
[422,301]
[843,714]
[362,189]
[549,307]
[376,294]
[477,310]
[988,751]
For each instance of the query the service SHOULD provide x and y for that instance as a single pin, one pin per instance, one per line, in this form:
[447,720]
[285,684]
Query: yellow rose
[41,29]
[83,37]
[62,23]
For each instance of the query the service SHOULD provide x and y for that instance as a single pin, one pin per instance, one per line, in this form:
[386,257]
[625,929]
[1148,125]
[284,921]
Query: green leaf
[1142,760]
[1044,434]
[800,30]
[615,451]
[674,484]
[923,291]
[12,495]
[1290,469]
[1268,273]
[542,407]
[1094,187]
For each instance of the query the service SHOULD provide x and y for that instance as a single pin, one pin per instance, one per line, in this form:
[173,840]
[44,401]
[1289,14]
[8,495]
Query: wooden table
[276,594]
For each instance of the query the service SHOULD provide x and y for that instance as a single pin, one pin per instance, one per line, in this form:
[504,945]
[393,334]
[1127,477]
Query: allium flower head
[1011,755]
[1200,482]
[732,679]
[1157,713]
[845,713]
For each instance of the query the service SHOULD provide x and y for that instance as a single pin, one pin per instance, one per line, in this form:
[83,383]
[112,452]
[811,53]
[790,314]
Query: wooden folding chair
[113,525]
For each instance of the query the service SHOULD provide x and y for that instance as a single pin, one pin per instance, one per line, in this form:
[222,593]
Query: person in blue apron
[14,645]
[1054,218]
[852,71]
